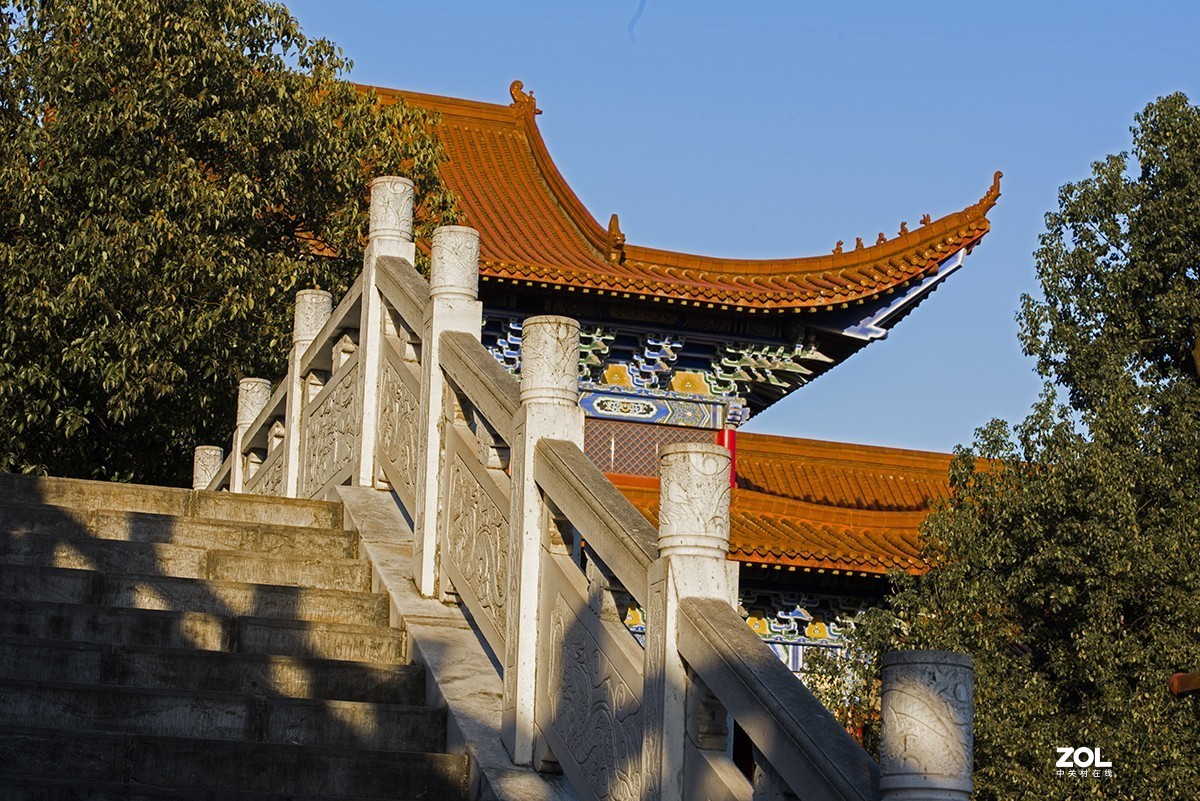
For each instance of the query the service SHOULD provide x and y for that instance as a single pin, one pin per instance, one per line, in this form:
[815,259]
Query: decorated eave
[822,507]
[537,233]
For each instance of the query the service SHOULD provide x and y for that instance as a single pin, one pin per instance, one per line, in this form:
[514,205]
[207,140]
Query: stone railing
[393,389]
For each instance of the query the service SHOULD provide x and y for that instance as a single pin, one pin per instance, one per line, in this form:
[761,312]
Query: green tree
[1067,560]
[173,172]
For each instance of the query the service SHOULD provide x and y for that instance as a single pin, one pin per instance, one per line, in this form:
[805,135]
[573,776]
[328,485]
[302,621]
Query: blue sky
[777,128]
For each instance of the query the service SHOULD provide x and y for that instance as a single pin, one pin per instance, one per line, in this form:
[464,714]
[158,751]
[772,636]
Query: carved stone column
[390,234]
[549,410]
[928,726]
[453,289]
[206,463]
[313,307]
[253,394]
[693,542]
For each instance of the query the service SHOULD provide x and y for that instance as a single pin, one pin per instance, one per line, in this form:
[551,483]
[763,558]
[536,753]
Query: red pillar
[727,438]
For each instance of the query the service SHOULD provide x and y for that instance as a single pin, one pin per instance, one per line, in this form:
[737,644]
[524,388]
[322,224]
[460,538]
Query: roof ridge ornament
[993,193]
[615,241]
[523,102]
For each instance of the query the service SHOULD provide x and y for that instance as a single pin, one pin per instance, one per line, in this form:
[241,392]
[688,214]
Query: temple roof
[825,506]
[536,232]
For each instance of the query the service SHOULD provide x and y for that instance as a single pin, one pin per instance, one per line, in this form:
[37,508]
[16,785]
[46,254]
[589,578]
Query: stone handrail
[783,719]
[495,393]
[393,389]
[617,531]
[404,288]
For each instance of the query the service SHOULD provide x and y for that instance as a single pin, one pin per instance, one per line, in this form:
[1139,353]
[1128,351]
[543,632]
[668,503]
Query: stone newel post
[390,234]
[928,719]
[312,311]
[549,410]
[693,542]
[206,463]
[453,289]
[253,394]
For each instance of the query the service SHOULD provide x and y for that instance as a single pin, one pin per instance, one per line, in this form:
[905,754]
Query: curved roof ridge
[515,176]
[752,501]
[526,110]
[850,454]
[927,237]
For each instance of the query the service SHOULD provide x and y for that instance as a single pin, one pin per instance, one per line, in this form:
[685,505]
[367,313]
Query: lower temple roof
[823,506]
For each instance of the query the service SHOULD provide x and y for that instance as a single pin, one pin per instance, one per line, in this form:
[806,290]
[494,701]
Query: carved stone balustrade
[253,394]
[391,388]
[453,289]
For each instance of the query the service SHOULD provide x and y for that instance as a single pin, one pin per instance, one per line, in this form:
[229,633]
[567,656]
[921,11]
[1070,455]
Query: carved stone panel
[594,714]
[330,432]
[269,478]
[477,544]
[398,422]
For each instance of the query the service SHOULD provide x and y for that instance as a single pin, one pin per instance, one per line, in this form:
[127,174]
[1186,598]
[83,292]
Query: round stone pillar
[454,263]
[312,311]
[391,211]
[693,517]
[206,463]
[253,394]
[928,719]
[550,360]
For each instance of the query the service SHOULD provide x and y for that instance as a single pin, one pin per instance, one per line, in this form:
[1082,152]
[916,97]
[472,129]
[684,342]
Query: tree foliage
[1067,560]
[171,171]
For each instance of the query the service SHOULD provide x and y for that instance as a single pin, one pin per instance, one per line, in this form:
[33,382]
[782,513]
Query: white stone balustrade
[393,384]
[253,394]
[549,410]
[693,543]
[390,233]
[453,289]
[313,308]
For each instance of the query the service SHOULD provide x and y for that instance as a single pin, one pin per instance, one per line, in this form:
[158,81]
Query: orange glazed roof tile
[536,231]
[839,475]
[822,505]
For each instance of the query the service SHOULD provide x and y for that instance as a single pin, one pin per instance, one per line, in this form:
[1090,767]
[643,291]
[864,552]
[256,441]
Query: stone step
[228,715]
[24,789]
[176,668]
[82,494]
[263,509]
[262,538]
[83,553]
[208,632]
[216,765]
[183,561]
[332,574]
[68,585]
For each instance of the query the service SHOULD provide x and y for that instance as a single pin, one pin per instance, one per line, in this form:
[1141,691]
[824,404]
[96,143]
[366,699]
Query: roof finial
[523,101]
[994,192]
[881,239]
[926,219]
[904,228]
[616,241]
[838,247]
[858,245]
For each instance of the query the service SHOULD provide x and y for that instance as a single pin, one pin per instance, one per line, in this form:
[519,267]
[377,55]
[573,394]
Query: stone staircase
[169,644]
